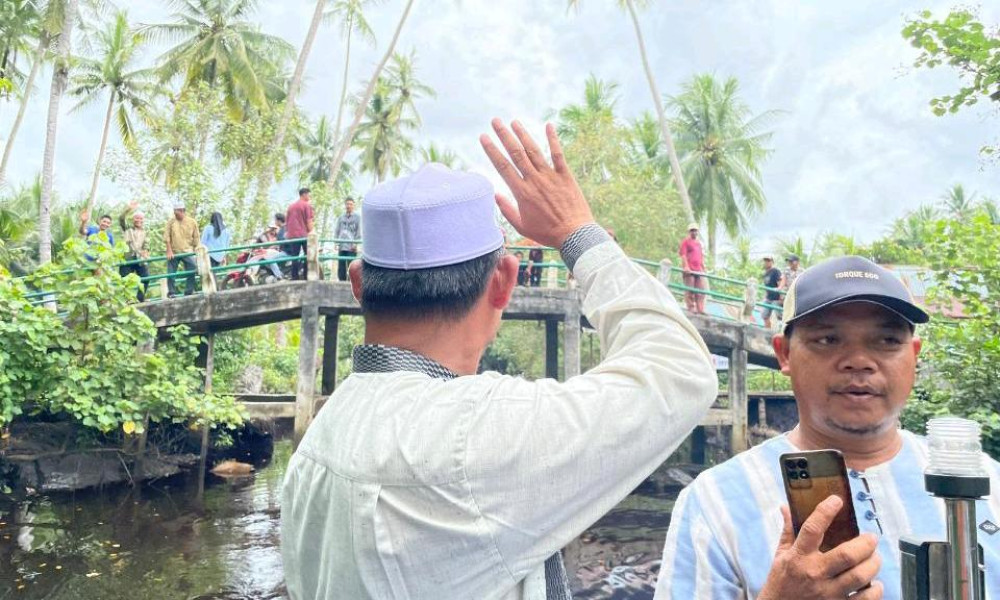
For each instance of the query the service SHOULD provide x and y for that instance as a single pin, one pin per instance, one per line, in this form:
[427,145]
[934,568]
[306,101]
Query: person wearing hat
[136,246]
[791,273]
[850,349]
[772,279]
[693,264]
[181,237]
[420,478]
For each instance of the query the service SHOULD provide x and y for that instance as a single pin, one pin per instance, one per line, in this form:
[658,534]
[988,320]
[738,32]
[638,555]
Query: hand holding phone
[811,477]
[820,554]
[801,570]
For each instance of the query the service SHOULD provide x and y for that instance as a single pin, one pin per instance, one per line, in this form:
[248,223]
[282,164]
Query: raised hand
[548,205]
[800,570]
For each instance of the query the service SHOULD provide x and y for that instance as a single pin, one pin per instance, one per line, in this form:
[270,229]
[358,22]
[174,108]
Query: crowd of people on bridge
[181,237]
[695,278]
[283,239]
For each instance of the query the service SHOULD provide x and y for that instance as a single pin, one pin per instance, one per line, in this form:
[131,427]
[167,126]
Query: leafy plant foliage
[91,358]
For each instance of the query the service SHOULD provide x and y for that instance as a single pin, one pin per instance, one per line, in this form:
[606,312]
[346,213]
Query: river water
[163,541]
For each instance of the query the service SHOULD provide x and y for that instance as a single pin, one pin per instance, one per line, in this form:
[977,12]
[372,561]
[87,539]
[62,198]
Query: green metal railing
[721,297]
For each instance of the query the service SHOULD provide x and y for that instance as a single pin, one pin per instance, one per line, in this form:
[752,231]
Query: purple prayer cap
[432,218]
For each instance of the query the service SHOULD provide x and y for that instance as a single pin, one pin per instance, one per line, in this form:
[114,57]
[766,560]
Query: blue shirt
[94,235]
[214,244]
[725,527]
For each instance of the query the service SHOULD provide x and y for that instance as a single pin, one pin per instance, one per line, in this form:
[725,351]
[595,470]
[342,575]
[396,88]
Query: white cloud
[856,147]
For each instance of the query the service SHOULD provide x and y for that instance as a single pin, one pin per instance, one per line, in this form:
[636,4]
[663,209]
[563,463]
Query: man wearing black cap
[850,349]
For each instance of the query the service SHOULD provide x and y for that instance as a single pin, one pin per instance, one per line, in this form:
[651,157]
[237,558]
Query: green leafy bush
[960,366]
[88,354]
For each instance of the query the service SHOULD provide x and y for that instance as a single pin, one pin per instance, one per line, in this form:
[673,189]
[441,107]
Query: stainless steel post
[964,555]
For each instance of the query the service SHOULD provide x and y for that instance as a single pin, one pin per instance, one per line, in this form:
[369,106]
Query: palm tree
[362,106]
[265,178]
[630,6]
[316,148]
[18,236]
[991,209]
[957,204]
[219,46]
[67,9]
[350,14]
[129,91]
[431,153]
[723,150]
[646,142]
[599,100]
[19,25]
[739,264]
[914,229]
[797,246]
[21,22]
[401,77]
[385,148]
[17,231]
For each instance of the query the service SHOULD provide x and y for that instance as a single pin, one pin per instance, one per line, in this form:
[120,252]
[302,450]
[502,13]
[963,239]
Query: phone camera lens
[804,475]
[802,463]
[791,463]
[793,474]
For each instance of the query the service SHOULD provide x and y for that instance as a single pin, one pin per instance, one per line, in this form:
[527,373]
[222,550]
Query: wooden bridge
[313,300]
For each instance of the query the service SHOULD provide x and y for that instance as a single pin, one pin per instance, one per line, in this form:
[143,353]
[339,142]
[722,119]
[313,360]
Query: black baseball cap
[849,279]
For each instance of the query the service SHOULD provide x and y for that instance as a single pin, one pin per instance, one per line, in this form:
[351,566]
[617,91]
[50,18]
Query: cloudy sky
[855,146]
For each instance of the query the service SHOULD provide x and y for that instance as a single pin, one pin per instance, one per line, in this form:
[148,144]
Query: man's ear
[502,282]
[917,345]
[354,273]
[781,346]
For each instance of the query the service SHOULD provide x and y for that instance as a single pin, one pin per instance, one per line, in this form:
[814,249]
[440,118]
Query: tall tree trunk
[668,140]
[332,177]
[100,153]
[35,67]
[345,142]
[60,77]
[264,181]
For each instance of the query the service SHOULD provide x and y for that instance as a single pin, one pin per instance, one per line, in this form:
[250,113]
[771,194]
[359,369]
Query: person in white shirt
[420,479]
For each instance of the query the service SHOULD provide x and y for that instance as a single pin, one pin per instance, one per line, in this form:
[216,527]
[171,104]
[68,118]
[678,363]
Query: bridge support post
[209,372]
[663,273]
[204,266]
[738,394]
[305,385]
[749,301]
[552,348]
[313,268]
[571,342]
[330,354]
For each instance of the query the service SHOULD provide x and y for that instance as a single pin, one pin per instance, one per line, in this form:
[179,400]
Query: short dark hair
[348,199]
[108,217]
[279,217]
[303,191]
[447,292]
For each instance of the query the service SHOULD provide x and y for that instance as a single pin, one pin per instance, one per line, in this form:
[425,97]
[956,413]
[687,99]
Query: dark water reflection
[158,541]
[161,542]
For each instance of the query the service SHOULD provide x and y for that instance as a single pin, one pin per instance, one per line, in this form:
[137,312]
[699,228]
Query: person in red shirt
[693,264]
[299,222]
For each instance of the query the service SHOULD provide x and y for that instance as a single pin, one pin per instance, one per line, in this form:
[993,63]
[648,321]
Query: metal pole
[964,558]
